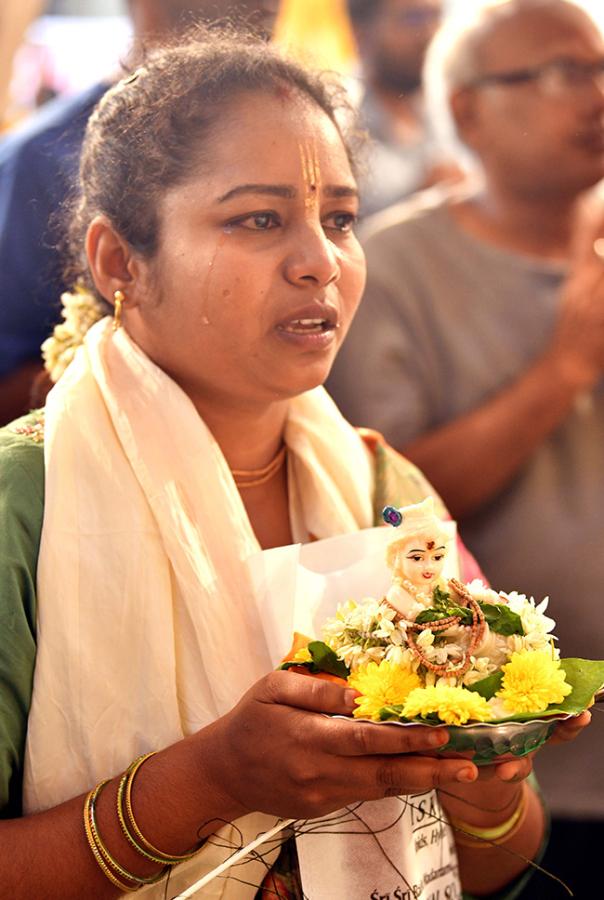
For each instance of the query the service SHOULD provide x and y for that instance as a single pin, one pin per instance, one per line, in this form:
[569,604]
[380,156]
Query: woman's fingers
[345,738]
[514,769]
[322,786]
[392,776]
[301,692]
[358,738]
[569,729]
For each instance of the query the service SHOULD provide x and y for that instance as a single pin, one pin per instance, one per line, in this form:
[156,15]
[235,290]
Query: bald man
[38,169]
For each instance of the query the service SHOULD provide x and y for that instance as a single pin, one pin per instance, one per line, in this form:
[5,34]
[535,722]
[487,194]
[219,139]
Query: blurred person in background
[16,15]
[479,347]
[38,166]
[405,154]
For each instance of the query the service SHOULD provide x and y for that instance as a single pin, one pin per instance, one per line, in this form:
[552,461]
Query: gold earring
[118,299]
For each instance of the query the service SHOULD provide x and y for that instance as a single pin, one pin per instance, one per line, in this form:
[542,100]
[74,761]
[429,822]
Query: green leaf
[501,619]
[395,711]
[487,687]
[326,660]
[586,676]
[441,598]
[435,615]
[391,712]
[299,665]
[498,616]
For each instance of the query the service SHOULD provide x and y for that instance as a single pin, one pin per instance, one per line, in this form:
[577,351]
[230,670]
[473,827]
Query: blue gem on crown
[392,516]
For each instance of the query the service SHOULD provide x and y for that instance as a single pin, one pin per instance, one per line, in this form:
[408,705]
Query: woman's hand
[569,729]
[276,752]
[495,783]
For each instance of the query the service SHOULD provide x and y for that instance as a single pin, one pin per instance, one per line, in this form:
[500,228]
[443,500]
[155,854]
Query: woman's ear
[113,264]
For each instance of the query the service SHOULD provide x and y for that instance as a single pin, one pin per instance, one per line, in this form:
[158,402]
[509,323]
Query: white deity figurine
[416,556]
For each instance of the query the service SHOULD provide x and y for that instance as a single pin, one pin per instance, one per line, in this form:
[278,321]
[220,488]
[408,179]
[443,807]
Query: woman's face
[258,272]
[422,563]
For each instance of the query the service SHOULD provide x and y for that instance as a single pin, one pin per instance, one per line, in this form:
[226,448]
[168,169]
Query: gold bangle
[139,880]
[498,834]
[131,829]
[125,888]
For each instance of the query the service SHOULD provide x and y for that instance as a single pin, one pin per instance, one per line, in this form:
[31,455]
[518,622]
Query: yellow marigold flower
[532,680]
[381,684]
[453,705]
[302,655]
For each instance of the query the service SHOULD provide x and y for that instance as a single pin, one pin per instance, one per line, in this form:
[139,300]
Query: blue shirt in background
[38,171]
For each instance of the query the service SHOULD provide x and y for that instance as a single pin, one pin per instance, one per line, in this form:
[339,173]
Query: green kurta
[21,511]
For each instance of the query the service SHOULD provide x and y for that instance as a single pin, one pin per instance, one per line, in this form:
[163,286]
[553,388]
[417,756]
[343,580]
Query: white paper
[402,850]
[393,856]
[298,587]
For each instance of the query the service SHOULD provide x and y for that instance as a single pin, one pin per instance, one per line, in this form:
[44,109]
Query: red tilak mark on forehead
[430,545]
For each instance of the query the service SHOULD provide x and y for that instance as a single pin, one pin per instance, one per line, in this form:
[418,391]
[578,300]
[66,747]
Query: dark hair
[362,12]
[147,133]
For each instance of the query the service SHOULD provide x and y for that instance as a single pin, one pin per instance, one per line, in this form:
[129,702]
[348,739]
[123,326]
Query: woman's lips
[313,327]
[307,326]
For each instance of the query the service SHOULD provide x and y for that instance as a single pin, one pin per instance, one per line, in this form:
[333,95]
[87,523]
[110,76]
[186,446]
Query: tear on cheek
[208,287]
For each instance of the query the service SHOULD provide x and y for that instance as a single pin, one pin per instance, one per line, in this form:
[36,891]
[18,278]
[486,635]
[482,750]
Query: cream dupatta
[147,629]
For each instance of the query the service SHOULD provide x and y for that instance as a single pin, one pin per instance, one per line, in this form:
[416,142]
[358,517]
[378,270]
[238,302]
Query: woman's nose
[313,260]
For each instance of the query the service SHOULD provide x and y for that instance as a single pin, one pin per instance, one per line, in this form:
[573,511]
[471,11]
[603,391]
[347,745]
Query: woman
[217,211]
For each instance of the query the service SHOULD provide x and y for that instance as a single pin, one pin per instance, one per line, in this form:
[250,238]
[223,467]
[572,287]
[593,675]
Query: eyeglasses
[558,77]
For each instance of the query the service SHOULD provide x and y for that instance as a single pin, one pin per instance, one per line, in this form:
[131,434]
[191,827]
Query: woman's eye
[342,221]
[415,559]
[262,221]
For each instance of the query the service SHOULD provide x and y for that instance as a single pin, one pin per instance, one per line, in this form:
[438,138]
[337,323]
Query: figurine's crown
[411,517]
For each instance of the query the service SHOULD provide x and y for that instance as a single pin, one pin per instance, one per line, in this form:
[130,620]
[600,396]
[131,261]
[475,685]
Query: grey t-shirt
[447,321]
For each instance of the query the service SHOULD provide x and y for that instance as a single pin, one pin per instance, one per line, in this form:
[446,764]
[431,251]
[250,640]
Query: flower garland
[80,310]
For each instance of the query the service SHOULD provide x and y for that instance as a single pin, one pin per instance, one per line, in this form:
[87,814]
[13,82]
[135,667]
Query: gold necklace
[247,478]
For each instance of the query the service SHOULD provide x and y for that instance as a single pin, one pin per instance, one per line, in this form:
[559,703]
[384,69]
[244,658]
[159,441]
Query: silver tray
[485,742]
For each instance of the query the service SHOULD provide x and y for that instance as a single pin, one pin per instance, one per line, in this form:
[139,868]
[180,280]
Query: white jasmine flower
[498,711]
[481,592]
[537,626]
[471,677]
[402,656]
[425,639]
[481,667]
[444,653]
[446,681]
[398,637]
[493,646]
[80,310]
